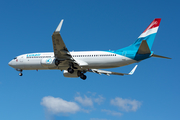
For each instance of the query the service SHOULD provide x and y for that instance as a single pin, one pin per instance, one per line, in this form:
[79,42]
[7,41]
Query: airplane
[76,64]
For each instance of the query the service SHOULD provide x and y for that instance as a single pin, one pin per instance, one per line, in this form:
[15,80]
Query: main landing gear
[82,76]
[79,73]
[70,70]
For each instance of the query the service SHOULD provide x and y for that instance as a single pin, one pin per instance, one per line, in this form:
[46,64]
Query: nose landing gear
[20,74]
[20,70]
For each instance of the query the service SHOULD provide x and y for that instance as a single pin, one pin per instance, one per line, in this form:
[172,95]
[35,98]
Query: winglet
[133,70]
[59,26]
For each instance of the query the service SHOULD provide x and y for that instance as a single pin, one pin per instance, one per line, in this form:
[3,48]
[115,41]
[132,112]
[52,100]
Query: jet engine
[48,62]
[75,74]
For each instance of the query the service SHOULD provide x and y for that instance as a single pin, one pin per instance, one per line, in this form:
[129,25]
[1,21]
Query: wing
[60,50]
[113,73]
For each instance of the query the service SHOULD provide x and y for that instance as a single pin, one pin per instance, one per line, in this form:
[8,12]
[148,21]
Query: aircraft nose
[10,63]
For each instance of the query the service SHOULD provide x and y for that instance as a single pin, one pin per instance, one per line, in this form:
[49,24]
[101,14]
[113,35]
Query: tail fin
[149,34]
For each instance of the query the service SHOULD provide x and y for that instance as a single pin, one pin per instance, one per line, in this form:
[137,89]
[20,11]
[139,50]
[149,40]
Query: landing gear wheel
[20,74]
[82,76]
[70,70]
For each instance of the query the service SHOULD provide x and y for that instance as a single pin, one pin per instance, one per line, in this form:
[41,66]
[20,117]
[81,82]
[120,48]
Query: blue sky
[153,92]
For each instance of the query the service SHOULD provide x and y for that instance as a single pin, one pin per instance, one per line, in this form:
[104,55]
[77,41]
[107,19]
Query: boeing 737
[76,64]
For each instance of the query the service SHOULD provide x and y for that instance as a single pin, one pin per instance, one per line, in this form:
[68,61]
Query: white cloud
[89,101]
[84,101]
[126,104]
[92,93]
[58,105]
[99,99]
[86,111]
[113,113]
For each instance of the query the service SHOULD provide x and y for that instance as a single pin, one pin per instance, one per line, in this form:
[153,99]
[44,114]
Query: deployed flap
[144,48]
[81,63]
[113,73]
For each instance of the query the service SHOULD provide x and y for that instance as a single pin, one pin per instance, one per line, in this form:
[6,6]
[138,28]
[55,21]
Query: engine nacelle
[48,62]
[73,75]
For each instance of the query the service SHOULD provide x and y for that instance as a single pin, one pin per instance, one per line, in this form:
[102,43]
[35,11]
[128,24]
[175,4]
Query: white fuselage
[85,59]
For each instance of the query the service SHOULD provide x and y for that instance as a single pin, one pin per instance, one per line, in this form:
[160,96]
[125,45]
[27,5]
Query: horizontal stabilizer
[144,48]
[133,70]
[153,55]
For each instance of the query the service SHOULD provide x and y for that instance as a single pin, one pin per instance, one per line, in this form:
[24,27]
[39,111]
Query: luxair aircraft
[76,64]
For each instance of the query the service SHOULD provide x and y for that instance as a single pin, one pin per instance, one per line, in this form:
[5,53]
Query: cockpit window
[15,58]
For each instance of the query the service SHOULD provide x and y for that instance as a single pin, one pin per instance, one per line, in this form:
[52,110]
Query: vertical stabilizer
[148,34]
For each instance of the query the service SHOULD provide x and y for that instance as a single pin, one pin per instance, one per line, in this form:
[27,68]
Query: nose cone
[10,63]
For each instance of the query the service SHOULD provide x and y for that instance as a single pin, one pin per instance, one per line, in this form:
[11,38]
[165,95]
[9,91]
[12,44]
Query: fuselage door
[21,59]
